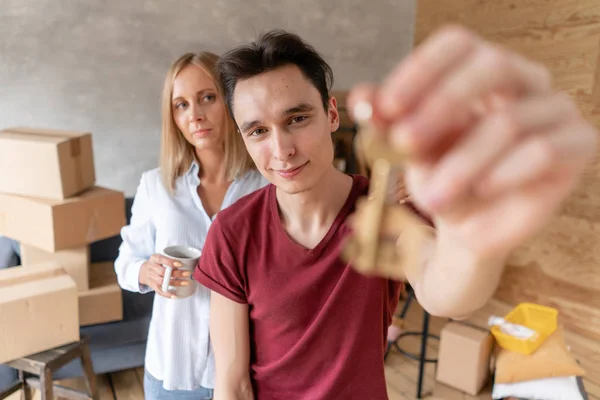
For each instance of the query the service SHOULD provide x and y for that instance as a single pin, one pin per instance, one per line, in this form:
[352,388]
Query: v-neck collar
[193,181]
[337,223]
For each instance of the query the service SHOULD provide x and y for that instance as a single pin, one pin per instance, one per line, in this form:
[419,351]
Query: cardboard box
[38,310]
[75,261]
[103,302]
[46,163]
[53,225]
[464,357]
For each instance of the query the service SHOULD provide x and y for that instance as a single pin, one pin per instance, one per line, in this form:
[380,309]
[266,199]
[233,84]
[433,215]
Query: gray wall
[99,65]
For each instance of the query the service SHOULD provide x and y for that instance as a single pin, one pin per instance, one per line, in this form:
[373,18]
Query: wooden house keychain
[386,237]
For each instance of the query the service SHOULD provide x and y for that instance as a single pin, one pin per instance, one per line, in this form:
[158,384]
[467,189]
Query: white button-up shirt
[178,349]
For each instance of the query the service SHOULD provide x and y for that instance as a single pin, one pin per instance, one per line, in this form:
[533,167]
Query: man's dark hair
[272,50]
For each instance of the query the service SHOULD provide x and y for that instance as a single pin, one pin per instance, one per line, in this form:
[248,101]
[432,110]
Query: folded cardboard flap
[19,275]
[551,359]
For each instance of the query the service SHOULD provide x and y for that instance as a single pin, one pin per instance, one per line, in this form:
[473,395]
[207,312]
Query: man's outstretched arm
[494,152]
[231,344]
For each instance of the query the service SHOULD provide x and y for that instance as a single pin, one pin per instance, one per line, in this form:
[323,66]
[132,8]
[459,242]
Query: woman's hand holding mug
[152,274]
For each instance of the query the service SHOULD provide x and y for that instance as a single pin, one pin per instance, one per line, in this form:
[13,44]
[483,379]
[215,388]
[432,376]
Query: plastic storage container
[542,319]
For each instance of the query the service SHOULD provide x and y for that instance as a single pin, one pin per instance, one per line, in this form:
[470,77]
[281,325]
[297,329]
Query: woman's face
[198,110]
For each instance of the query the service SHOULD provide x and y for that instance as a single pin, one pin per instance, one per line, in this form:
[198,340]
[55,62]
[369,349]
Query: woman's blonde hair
[177,154]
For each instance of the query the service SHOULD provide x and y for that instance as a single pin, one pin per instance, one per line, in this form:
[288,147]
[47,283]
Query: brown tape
[75,146]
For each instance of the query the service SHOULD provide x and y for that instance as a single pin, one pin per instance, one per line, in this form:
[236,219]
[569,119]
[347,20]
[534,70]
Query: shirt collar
[193,169]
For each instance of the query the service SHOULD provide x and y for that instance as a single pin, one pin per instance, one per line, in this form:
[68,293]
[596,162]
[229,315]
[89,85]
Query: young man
[494,153]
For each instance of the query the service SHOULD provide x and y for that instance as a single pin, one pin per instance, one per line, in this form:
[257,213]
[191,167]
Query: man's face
[285,128]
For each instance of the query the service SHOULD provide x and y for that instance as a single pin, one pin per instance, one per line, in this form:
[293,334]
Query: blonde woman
[204,167]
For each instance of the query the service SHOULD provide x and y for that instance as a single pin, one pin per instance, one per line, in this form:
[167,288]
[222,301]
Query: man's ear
[333,114]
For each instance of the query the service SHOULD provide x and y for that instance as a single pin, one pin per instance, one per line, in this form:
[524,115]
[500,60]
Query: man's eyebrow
[250,124]
[302,107]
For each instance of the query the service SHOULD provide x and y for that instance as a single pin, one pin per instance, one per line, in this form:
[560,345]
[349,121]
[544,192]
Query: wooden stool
[44,364]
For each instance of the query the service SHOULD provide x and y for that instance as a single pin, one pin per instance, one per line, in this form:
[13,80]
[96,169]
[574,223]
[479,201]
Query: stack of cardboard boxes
[50,204]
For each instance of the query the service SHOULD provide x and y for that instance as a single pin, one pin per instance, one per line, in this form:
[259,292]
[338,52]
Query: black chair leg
[423,355]
[406,304]
[421,358]
[402,315]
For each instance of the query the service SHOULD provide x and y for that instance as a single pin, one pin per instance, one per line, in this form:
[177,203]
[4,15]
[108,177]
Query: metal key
[386,235]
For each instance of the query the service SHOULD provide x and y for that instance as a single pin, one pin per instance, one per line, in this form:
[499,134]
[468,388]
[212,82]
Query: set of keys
[386,237]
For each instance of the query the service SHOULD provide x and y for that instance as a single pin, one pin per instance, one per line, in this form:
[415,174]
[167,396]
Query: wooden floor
[401,372]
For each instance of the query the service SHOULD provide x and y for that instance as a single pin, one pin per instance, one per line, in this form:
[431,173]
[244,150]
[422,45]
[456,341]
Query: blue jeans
[153,390]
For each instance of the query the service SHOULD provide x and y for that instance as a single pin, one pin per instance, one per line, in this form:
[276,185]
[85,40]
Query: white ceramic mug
[188,257]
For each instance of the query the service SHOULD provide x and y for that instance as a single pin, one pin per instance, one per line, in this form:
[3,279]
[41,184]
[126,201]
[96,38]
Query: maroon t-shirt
[317,327]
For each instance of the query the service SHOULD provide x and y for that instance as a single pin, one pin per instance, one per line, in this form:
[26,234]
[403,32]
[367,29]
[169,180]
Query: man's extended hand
[494,150]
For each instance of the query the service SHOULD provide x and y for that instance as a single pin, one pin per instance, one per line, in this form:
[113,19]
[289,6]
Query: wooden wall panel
[560,267]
